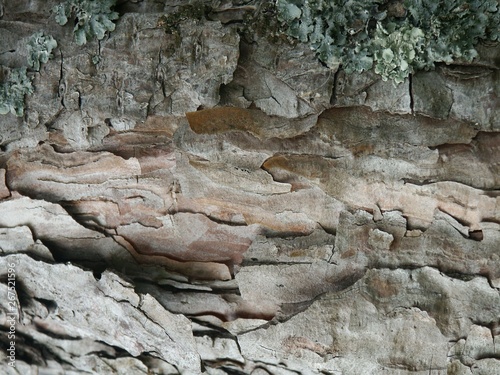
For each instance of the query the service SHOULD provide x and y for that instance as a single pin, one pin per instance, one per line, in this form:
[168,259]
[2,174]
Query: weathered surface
[111,316]
[201,202]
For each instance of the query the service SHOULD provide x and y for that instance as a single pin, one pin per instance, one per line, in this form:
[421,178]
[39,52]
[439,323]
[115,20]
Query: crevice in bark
[212,331]
[117,352]
[410,89]
[333,97]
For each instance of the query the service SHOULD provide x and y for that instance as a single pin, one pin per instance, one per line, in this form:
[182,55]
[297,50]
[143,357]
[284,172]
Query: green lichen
[40,48]
[395,37]
[93,18]
[12,92]
[395,52]
[18,83]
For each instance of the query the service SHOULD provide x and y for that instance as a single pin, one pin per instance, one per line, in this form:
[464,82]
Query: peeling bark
[199,206]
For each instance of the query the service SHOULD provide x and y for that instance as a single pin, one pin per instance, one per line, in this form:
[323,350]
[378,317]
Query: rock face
[198,202]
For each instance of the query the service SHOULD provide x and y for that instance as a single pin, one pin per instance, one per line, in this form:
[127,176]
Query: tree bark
[197,202]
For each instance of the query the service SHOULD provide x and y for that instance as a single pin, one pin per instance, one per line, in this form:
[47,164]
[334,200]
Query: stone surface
[213,200]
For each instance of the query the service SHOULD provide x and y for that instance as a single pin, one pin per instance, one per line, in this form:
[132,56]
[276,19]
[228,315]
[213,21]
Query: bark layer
[198,202]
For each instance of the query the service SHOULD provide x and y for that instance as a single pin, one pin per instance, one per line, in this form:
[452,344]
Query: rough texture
[214,200]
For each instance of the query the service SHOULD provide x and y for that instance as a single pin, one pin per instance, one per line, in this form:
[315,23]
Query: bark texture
[214,200]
